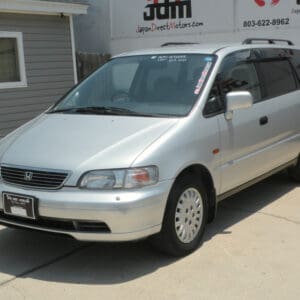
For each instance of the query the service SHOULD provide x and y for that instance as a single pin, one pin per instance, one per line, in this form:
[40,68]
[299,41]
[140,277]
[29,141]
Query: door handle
[264,120]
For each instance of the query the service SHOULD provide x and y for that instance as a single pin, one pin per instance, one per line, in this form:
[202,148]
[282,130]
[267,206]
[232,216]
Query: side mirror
[236,101]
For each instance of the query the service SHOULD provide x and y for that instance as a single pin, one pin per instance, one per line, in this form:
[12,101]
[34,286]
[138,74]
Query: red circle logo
[263,3]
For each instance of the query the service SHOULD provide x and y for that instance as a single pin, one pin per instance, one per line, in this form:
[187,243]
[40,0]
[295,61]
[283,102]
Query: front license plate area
[19,205]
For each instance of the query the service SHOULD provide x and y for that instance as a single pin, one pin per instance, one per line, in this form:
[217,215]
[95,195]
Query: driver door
[245,136]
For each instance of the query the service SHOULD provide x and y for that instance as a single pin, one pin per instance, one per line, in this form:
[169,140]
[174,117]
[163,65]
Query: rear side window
[278,78]
[296,62]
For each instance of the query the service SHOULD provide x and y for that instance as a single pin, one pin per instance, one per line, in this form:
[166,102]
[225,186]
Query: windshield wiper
[102,110]
[105,110]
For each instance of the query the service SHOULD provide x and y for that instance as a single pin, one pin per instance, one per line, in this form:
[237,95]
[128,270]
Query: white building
[114,26]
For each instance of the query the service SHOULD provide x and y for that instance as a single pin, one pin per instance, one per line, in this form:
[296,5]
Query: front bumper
[129,215]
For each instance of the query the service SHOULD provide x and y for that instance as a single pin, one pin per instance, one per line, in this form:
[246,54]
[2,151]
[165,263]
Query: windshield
[147,85]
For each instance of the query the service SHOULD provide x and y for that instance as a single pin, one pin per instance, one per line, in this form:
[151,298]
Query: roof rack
[177,44]
[270,41]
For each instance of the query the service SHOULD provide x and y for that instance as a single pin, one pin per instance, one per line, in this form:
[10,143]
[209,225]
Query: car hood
[82,142]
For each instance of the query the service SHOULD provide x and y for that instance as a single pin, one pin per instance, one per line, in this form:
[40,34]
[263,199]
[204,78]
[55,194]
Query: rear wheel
[185,218]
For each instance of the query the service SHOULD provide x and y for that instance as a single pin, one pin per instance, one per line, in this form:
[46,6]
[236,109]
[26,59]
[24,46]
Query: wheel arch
[204,175]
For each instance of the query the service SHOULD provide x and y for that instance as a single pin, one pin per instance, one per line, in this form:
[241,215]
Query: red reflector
[216,151]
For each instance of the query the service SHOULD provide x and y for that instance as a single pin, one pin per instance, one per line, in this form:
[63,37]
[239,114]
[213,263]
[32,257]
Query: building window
[12,63]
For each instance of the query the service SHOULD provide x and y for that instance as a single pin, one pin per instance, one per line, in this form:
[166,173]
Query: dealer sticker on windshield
[202,78]
[171,58]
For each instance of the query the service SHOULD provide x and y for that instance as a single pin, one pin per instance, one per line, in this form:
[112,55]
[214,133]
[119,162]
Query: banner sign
[268,14]
[148,18]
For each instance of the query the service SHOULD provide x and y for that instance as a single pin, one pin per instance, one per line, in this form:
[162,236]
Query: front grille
[57,224]
[33,178]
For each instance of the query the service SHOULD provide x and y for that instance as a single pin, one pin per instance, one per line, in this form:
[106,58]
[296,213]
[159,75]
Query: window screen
[9,65]
[278,77]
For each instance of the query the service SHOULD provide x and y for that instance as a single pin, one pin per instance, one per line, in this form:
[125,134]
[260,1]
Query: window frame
[21,61]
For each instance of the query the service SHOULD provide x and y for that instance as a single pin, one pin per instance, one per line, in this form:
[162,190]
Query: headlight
[118,179]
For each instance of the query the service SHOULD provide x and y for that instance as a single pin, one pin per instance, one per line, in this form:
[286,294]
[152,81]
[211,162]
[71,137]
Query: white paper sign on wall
[148,18]
[268,14]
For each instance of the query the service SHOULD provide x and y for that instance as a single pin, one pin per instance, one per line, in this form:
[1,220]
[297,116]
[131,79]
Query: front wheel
[185,218]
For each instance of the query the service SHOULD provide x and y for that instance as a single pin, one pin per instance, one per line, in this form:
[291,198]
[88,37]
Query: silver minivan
[150,143]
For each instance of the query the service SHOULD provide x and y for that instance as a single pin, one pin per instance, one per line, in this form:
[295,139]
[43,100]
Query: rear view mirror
[236,101]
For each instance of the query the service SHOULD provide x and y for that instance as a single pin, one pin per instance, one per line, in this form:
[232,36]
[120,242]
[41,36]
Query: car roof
[219,49]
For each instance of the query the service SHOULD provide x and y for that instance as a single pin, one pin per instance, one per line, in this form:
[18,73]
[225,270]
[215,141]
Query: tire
[173,238]
[294,172]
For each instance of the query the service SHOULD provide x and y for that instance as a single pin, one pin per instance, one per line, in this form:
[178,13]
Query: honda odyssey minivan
[150,143]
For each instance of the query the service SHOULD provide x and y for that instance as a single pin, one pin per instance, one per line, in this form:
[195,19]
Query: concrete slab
[22,251]
[250,252]
[276,196]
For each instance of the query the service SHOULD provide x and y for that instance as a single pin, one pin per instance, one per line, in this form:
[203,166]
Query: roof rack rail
[177,44]
[270,41]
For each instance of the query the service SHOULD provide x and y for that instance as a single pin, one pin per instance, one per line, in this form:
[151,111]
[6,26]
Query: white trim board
[42,7]
[21,58]
[73,49]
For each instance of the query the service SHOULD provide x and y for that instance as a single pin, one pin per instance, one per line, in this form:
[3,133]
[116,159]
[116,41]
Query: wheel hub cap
[189,215]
